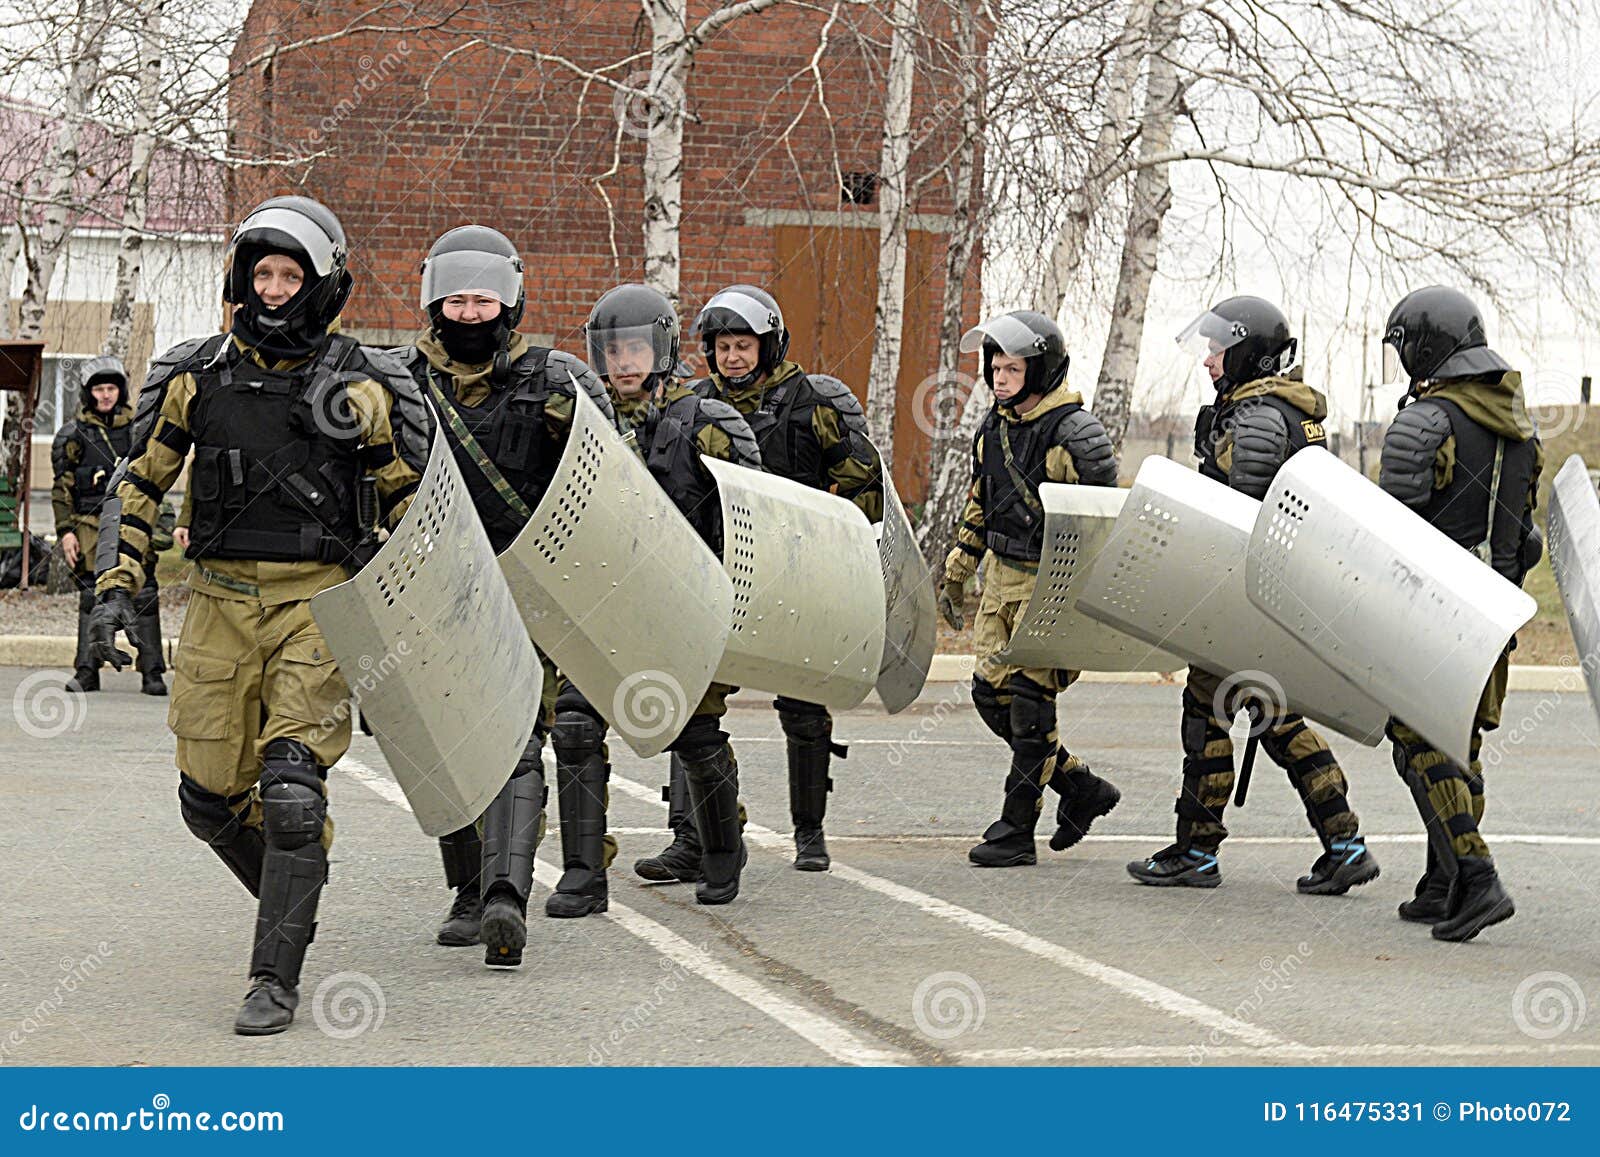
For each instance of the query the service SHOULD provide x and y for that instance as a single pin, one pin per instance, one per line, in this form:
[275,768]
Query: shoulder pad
[564,373]
[1413,439]
[58,448]
[746,450]
[1093,455]
[408,356]
[185,357]
[838,395]
[410,418]
[705,387]
[1260,447]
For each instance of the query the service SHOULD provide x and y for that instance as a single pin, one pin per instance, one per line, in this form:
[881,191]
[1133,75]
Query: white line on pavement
[1292,1052]
[1155,995]
[833,1039]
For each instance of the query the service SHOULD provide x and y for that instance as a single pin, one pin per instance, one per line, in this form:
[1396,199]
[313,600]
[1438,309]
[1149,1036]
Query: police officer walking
[811,429]
[505,408]
[1463,454]
[633,340]
[1264,413]
[1037,431]
[290,424]
[86,451]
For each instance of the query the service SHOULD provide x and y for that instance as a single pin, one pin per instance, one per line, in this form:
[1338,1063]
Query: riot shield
[1575,557]
[910,627]
[1079,526]
[1174,576]
[430,642]
[808,599]
[618,589]
[1397,608]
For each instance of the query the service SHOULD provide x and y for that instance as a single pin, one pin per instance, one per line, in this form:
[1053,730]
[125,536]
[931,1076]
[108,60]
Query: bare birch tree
[136,199]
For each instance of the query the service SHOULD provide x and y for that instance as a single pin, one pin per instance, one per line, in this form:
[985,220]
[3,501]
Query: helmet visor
[630,349]
[1394,374]
[280,227]
[759,317]
[1211,333]
[468,271]
[1014,338]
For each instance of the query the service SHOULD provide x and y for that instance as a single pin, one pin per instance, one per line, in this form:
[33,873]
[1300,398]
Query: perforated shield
[1575,557]
[1079,526]
[808,602]
[909,628]
[1401,611]
[1174,576]
[618,589]
[429,639]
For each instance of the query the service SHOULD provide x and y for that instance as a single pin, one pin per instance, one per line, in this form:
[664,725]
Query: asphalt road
[124,942]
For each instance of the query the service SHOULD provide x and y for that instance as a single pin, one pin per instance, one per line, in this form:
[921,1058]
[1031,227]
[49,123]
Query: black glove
[114,612]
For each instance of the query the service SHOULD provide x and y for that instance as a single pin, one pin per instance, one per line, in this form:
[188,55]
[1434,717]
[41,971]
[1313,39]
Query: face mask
[471,343]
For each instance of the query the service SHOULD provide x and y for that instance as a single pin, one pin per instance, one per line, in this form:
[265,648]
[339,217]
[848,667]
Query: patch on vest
[1313,431]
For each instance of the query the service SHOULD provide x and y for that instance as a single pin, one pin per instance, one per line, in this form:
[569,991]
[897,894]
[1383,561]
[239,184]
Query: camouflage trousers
[1208,774]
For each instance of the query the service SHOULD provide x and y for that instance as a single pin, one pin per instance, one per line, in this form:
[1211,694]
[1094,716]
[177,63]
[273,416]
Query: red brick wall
[412,143]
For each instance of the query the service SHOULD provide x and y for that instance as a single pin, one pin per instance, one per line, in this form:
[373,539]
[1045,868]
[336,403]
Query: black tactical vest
[783,430]
[509,427]
[1213,431]
[1461,509]
[100,448]
[275,465]
[1010,473]
[671,448]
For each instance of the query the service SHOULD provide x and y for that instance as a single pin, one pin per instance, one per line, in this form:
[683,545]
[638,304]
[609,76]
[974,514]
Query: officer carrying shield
[83,456]
[1263,414]
[505,407]
[1464,454]
[633,342]
[292,426]
[811,429]
[1037,431]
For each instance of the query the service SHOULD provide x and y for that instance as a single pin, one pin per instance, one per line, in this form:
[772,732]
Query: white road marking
[834,1039]
[1294,1052]
[1148,992]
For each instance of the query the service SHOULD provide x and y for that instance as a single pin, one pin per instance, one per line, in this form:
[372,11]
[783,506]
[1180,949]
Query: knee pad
[995,714]
[578,732]
[569,698]
[703,732]
[292,814]
[804,722]
[1033,711]
[208,815]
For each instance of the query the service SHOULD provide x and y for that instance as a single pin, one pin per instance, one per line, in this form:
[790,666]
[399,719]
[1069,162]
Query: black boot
[1480,900]
[84,679]
[1085,797]
[512,825]
[1008,842]
[679,861]
[808,730]
[581,774]
[714,800]
[1431,902]
[145,635]
[462,852]
[1346,864]
[86,672]
[293,872]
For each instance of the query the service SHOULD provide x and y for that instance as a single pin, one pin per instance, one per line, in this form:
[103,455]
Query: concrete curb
[59,651]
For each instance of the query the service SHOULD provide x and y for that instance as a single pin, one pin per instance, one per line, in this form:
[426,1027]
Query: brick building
[445,118]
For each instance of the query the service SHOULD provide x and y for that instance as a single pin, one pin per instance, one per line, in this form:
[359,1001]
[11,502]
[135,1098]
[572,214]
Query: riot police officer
[1463,454]
[633,343]
[811,429]
[289,422]
[505,408]
[1037,431]
[86,451]
[1263,414]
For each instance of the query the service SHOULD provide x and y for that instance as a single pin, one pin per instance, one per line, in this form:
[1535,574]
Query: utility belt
[311,543]
[1012,549]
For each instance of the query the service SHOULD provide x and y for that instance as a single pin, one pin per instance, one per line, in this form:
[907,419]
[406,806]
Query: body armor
[1216,426]
[100,447]
[673,456]
[1011,469]
[783,429]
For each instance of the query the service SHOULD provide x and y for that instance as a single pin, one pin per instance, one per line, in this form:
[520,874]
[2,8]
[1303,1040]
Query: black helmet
[1022,333]
[103,369]
[743,309]
[1438,333]
[475,259]
[633,311]
[1251,333]
[307,231]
